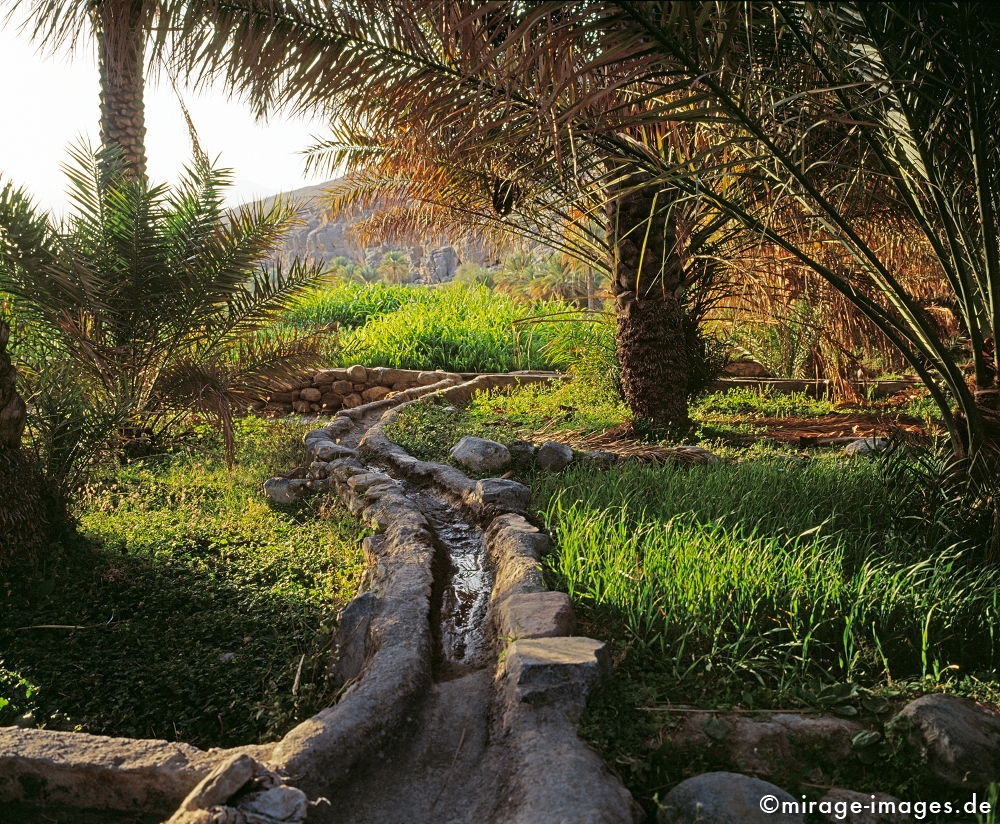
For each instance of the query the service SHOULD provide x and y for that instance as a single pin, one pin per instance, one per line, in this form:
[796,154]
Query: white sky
[48,102]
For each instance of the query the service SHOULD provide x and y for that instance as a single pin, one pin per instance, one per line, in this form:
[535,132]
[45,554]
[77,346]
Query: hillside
[318,237]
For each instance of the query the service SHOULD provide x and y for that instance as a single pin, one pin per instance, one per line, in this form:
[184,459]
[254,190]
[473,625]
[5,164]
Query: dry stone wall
[329,390]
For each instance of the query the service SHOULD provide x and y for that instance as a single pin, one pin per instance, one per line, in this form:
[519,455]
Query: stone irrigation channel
[463,681]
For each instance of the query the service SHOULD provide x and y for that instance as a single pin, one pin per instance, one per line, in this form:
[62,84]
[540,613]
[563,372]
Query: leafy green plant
[150,300]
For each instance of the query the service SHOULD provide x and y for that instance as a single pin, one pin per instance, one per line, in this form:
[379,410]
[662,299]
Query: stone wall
[331,389]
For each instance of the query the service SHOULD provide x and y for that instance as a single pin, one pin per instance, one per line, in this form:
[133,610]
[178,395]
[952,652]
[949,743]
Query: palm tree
[120,29]
[151,303]
[484,124]
[783,118]
[394,267]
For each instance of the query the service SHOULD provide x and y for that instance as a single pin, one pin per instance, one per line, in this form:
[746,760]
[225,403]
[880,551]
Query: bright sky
[48,102]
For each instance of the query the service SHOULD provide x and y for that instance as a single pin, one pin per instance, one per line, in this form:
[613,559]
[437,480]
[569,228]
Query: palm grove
[650,140]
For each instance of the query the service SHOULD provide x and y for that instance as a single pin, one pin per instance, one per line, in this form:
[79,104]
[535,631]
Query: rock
[959,738]
[357,373]
[726,798]
[867,446]
[522,452]
[535,615]
[480,455]
[216,788]
[310,394]
[56,770]
[364,480]
[746,369]
[342,388]
[285,490]
[502,494]
[558,671]
[323,448]
[278,804]
[442,264]
[701,454]
[427,378]
[375,393]
[319,469]
[554,456]
[325,376]
[871,808]
[764,746]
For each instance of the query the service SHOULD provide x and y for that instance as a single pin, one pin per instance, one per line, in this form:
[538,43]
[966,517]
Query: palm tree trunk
[647,279]
[18,498]
[121,54]
[12,409]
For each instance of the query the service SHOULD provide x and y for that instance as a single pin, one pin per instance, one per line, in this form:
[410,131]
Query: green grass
[457,327]
[200,602]
[758,584]
[348,304]
[762,403]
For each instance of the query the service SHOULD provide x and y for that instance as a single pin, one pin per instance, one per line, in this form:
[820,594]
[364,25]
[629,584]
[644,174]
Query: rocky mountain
[434,259]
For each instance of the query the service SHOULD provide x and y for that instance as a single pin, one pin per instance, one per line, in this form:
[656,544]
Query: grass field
[187,606]
[457,326]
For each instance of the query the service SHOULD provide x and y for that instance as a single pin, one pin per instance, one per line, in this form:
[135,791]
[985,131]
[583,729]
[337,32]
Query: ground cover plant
[185,608]
[463,327]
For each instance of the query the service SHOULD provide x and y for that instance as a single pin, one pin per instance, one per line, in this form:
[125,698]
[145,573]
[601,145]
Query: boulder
[325,376]
[480,454]
[726,798]
[310,394]
[386,376]
[427,378]
[867,446]
[959,738]
[502,494]
[375,393]
[357,373]
[554,456]
[285,490]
